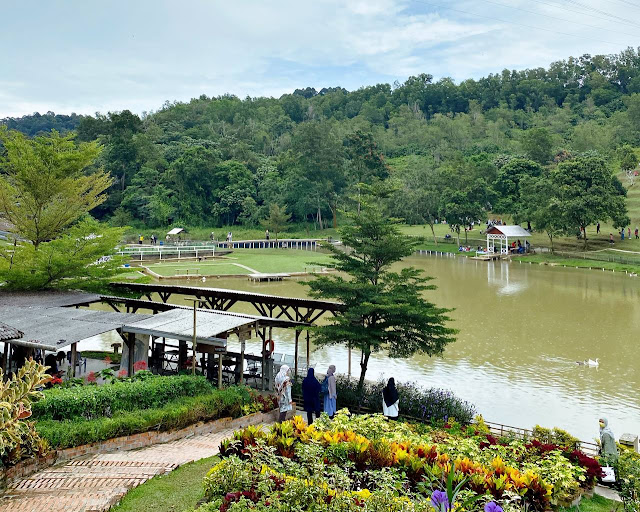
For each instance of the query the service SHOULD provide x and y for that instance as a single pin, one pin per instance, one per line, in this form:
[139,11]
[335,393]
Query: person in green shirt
[608,449]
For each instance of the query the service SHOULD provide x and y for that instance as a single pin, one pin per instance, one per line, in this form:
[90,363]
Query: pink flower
[91,377]
[122,373]
[107,360]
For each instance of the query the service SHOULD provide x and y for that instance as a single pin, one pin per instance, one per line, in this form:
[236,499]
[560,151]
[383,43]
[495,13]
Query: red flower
[91,377]
[122,373]
[139,365]
[107,360]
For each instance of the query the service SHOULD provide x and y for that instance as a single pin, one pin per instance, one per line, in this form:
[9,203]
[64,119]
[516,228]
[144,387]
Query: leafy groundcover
[366,462]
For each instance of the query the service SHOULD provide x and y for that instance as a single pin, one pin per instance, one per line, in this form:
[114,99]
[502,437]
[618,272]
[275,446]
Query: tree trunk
[435,241]
[466,237]
[364,361]
[584,231]
[458,235]
[551,240]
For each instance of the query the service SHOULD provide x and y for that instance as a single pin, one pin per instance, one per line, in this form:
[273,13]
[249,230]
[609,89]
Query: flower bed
[368,462]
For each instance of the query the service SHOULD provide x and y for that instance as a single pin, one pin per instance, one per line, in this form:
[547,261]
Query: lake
[522,329]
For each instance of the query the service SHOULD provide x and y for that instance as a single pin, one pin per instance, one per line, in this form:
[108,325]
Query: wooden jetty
[259,278]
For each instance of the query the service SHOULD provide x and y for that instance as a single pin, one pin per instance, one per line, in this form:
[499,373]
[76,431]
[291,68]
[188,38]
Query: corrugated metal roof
[46,299]
[59,327]
[179,323]
[509,231]
[9,333]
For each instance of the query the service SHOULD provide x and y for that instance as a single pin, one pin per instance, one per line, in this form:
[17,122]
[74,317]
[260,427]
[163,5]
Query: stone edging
[126,443]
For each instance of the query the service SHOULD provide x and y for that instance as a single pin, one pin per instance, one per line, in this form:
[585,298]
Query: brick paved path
[97,482]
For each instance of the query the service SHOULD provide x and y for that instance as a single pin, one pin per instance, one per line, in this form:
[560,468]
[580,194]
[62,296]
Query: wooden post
[132,352]
[6,360]
[74,356]
[296,356]
[242,335]
[349,373]
[220,371]
[194,340]
[182,354]
[308,350]
[264,356]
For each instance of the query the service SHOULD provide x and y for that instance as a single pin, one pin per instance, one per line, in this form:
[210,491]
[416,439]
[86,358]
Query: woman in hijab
[331,393]
[390,400]
[608,448]
[311,395]
[283,390]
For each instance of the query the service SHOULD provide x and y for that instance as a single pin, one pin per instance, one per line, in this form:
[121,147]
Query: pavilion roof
[514,231]
[9,333]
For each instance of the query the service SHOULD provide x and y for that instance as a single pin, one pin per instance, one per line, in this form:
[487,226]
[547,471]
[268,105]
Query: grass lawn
[261,260]
[178,491]
[594,504]
[102,354]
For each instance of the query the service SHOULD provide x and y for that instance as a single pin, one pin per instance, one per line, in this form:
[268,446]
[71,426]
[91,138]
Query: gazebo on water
[502,234]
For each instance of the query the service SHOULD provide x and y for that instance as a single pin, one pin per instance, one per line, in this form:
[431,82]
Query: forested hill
[225,160]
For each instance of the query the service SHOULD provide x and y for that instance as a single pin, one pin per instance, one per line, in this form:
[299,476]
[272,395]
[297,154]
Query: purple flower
[440,500]
[492,506]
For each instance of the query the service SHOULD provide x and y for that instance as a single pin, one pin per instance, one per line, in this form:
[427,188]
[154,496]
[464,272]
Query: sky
[86,56]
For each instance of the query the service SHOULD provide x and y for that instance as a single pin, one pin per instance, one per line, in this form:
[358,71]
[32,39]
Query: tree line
[446,150]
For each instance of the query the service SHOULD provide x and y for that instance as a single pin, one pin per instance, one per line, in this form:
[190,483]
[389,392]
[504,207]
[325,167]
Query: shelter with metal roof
[502,234]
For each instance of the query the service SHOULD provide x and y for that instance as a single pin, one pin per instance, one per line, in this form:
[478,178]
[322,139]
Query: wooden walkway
[96,483]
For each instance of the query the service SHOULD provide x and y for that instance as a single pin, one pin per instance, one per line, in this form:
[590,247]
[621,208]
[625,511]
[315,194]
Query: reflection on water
[522,329]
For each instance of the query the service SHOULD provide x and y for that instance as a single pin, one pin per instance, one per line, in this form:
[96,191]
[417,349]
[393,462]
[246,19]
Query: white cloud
[69,55]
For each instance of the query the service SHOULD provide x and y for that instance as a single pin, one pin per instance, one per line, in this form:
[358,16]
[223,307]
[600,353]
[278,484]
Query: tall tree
[587,192]
[383,309]
[44,189]
[83,257]
[538,145]
[277,220]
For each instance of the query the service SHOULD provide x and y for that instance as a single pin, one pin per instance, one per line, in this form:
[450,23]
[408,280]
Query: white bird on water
[589,362]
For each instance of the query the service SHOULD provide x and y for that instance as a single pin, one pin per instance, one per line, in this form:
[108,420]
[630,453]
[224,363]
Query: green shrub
[176,414]
[91,402]
[628,479]
[426,404]
[556,436]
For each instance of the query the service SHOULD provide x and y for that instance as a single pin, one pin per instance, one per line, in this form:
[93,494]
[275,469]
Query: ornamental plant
[18,438]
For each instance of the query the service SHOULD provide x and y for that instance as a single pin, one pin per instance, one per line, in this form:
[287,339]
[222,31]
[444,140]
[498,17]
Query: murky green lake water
[522,329]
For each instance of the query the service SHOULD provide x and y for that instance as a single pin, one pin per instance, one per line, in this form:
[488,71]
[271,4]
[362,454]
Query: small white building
[502,235]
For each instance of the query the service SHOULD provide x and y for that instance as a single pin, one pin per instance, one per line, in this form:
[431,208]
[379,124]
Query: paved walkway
[97,482]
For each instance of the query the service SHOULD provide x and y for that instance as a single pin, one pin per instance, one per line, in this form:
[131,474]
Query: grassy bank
[178,491]
[555,260]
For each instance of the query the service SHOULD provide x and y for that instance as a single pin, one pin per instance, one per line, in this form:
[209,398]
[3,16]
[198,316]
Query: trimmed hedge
[89,402]
[431,405]
[176,414]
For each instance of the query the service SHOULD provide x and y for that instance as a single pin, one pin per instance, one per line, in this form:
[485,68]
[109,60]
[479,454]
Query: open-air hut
[503,236]
[176,233]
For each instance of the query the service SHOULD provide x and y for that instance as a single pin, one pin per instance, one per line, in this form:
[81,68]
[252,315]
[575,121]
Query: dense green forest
[448,150]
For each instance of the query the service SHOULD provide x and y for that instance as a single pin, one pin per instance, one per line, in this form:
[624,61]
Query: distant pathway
[95,483]
[252,270]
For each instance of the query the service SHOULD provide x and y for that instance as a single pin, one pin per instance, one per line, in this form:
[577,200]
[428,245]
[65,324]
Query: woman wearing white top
[390,400]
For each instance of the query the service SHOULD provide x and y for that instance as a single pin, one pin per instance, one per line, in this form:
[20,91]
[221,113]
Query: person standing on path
[622,234]
[629,232]
[598,228]
[636,233]
[330,392]
[311,389]
[608,448]
[283,391]
[611,238]
[266,235]
[390,400]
